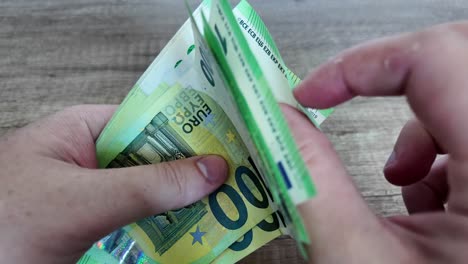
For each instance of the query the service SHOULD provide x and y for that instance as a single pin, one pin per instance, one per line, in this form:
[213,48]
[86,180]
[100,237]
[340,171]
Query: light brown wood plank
[56,53]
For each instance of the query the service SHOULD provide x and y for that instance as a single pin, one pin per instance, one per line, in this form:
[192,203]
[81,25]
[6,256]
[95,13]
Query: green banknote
[120,248]
[274,149]
[265,231]
[184,122]
[182,106]
[116,248]
[269,59]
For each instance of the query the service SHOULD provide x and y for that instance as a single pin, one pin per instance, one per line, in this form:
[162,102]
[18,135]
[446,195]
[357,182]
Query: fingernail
[213,168]
[391,160]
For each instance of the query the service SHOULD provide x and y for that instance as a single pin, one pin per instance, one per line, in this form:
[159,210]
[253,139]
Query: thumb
[124,195]
[338,217]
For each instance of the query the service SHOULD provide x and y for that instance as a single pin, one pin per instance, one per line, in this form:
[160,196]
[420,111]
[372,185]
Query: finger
[125,195]
[426,66]
[89,118]
[457,177]
[338,205]
[374,68]
[412,156]
[70,135]
[429,194]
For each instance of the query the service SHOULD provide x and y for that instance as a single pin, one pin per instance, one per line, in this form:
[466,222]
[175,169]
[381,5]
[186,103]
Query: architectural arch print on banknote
[158,142]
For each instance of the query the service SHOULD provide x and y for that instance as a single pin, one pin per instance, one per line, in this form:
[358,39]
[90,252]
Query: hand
[54,203]
[430,69]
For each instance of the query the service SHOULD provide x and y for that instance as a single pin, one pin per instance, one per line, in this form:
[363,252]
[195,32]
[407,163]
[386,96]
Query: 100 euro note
[174,70]
[204,229]
[270,228]
[191,116]
[274,151]
[120,247]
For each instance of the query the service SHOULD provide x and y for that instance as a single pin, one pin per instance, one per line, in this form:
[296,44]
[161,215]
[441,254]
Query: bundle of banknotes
[214,89]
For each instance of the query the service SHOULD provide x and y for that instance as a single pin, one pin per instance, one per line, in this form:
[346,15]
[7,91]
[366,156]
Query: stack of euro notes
[214,89]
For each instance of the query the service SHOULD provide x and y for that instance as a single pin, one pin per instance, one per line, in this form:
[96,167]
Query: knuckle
[74,114]
[74,110]
[459,29]
[172,175]
[313,148]
[444,38]
[73,118]
[67,116]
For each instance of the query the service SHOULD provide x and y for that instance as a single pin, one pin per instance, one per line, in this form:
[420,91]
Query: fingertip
[420,198]
[392,173]
[394,176]
[324,87]
[404,170]
[299,124]
[413,155]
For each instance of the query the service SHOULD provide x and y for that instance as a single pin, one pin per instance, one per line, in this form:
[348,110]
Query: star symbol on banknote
[209,120]
[197,236]
[230,136]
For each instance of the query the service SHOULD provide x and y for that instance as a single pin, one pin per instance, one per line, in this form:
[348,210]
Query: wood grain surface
[58,53]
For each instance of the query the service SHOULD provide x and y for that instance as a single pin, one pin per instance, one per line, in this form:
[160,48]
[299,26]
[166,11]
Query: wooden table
[56,53]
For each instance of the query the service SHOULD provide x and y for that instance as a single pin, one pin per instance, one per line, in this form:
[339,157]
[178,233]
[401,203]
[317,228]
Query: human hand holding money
[52,194]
